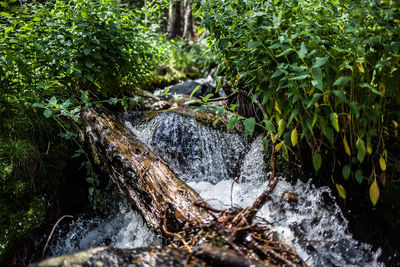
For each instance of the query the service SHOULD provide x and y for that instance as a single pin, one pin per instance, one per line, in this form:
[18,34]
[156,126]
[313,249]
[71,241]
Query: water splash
[306,217]
[119,226]
[194,151]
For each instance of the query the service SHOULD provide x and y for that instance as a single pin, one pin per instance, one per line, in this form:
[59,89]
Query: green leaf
[355,108]
[359,176]
[269,125]
[361,150]
[319,62]
[91,189]
[373,90]
[286,52]
[341,96]
[253,44]
[317,161]
[374,192]
[277,73]
[317,73]
[89,64]
[37,105]
[342,81]
[314,100]
[249,125]
[293,114]
[47,113]
[232,122]
[318,84]
[285,153]
[5,14]
[301,77]
[341,191]
[303,50]
[207,97]
[265,143]
[89,77]
[195,90]
[346,172]
[193,101]
[87,50]
[334,121]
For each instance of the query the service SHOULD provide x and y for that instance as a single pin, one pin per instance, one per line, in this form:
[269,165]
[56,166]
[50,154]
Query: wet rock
[107,257]
[207,86]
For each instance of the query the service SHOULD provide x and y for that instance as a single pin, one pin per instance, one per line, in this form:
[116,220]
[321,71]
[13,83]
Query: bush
[325,71]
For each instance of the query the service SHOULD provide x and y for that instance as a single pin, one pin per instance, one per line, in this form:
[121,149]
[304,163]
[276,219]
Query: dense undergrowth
[55,58]
[327,75]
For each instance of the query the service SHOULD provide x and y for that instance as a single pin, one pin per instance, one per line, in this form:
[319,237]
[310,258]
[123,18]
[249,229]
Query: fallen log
[173,208]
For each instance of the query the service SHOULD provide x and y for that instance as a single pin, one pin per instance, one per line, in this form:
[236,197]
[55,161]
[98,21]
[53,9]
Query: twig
[52,232]
[175,234]
[224,97]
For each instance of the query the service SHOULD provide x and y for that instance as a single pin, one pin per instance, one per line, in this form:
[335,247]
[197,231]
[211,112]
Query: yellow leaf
[374,192]
[274,138]
[346,146]
[360,67]
[341,191]
[279,146]
[326,98]
[382,89]
[294,137]
[369,148]
[382,163]
[277,108]
[395,124]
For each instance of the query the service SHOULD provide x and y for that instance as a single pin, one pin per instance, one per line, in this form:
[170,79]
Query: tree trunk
[188,21]
[174,20]
[173,208]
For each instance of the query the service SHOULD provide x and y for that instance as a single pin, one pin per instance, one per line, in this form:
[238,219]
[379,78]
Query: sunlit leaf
[294,137]
[341,191]
[279,146]
[382,163]
[374,192]
[334,121]
[281,127]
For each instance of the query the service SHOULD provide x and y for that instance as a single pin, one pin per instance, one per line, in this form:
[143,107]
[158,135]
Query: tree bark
[188,21]
[174,20]
[173,208]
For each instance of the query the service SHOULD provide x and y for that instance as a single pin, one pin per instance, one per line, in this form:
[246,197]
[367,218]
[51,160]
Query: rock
[105,256]
[207,86]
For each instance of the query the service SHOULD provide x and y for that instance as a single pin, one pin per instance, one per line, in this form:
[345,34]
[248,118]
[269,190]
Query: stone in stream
[105,256]
[207,86]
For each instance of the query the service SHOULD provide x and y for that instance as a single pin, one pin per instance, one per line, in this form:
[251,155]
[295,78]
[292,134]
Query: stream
[304,216]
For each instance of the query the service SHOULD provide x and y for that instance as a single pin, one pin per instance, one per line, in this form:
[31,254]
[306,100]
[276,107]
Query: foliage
[56,58]
[329,70]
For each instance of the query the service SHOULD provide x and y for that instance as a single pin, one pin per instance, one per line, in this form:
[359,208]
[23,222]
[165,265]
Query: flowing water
[208,160]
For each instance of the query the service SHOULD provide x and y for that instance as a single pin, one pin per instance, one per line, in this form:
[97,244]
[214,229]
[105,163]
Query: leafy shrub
[91,45]
[325,71]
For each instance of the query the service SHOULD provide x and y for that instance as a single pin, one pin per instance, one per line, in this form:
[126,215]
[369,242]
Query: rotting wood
[170,205]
